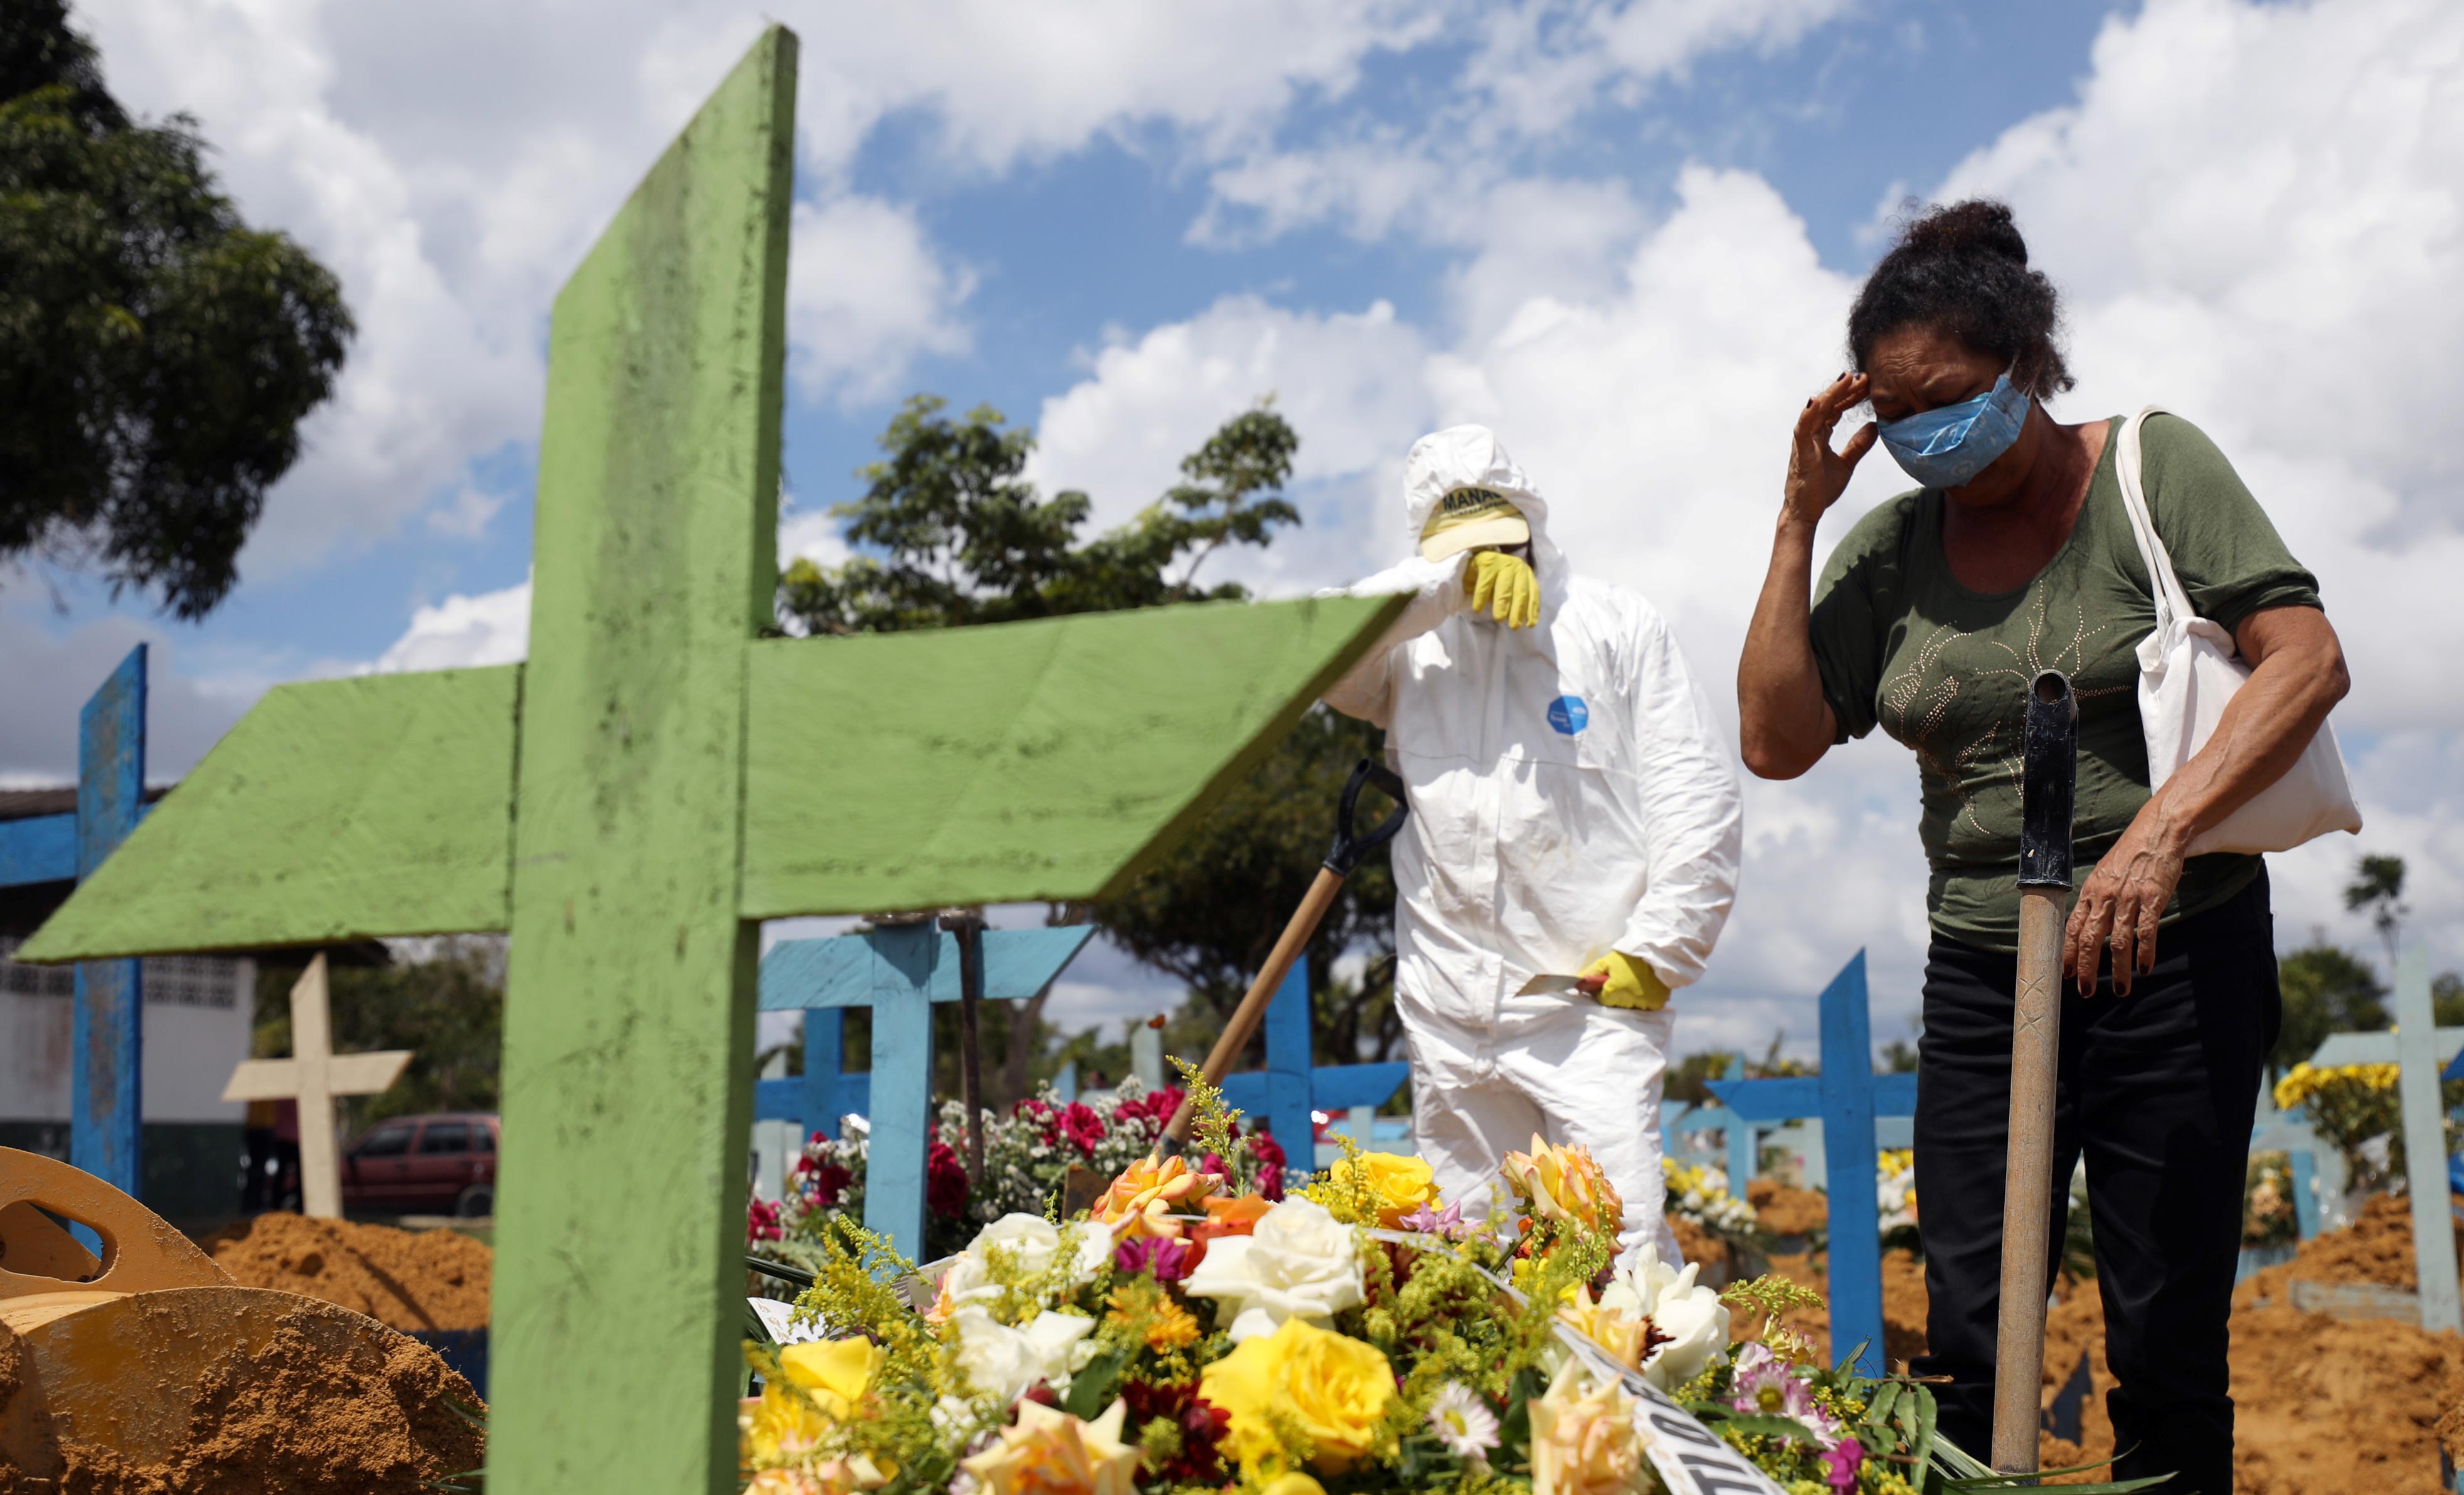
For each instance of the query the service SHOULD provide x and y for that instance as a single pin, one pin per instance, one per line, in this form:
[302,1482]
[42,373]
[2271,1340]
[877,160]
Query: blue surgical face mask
[1946,447]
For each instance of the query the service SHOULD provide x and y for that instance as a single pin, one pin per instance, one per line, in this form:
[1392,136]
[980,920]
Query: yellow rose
[817,1385]
[1399,1185]
[833,1372]
[1583,1443]
[1562,1183]
[1047,1452]
[1294,1483]
[1138,1204]
[1334,1388]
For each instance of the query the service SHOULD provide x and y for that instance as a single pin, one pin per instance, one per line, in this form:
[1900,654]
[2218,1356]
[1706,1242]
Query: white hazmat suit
[1570,797]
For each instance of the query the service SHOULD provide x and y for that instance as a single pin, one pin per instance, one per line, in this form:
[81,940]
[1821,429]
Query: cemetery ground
[2336,1387]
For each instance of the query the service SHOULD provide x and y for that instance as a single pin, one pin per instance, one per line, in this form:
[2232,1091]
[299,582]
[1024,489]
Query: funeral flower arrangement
[1028,1155]
[1188,1333]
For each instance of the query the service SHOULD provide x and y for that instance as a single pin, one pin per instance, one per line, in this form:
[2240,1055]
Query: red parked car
[439,1164]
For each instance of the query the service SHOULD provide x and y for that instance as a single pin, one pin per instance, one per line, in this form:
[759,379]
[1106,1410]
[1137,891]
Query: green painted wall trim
[615,1331]
[335,810]
[1049,760]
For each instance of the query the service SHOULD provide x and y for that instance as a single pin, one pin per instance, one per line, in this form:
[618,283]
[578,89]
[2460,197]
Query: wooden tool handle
[1253,1002]
[2026,1189]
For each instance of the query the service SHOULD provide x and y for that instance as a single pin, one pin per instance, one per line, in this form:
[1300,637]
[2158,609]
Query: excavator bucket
[129,1359]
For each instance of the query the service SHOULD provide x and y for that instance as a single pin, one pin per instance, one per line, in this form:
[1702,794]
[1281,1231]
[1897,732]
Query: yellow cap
[1468,518]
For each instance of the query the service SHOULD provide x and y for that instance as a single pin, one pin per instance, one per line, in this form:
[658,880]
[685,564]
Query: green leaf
[1092,1389]
[1768,1424]
[1878,1412]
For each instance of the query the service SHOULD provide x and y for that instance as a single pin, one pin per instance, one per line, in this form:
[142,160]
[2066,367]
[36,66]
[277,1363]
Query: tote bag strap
[2171,602]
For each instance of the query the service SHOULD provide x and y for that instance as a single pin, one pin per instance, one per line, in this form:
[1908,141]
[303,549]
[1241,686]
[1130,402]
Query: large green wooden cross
[657,780]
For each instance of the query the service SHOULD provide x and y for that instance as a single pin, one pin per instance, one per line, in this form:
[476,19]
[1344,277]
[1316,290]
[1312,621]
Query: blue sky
[1622,233]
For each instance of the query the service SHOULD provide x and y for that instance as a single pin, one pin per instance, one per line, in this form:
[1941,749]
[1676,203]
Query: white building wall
[199,1010]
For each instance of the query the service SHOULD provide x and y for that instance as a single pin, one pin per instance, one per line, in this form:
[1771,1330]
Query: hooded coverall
[1570,797]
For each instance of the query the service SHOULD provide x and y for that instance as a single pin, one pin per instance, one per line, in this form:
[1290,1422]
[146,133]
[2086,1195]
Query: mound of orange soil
[1784,1211]
[410,1280]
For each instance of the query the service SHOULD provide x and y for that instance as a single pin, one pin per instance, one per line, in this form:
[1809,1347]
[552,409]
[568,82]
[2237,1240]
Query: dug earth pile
[316,1411]
[408,1280]
[2322,1405]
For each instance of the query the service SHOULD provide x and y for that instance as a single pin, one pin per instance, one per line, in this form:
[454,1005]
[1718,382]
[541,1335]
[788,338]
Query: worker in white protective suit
[1573,813]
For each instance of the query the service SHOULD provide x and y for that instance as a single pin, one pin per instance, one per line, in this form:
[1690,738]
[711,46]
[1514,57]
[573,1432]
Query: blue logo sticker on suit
[1568,714]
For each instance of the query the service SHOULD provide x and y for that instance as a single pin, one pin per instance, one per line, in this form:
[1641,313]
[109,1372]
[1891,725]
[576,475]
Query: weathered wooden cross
[313,1076]
[679,778]
[899,972]
[1848,1095]
[107,1029]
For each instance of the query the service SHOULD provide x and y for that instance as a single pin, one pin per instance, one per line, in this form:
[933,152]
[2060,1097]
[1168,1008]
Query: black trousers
[2157,1088]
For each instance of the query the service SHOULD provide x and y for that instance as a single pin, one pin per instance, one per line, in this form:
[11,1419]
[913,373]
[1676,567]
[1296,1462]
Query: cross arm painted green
[1030,760]
[336,809]
[894,771]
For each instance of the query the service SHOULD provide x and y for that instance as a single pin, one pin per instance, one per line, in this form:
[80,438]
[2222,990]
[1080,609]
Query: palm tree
[2378,886]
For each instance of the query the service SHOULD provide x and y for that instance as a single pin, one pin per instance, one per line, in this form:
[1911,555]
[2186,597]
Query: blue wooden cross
[2418,1052]
[107,1029]
[1740,1134]
[898,971]
[1290,1087]
[1848,1095]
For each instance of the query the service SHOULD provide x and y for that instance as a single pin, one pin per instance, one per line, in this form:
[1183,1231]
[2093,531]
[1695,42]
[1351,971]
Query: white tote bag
[2187,670]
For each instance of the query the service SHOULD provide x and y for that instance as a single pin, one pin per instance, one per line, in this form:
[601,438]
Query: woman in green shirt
[1929,621]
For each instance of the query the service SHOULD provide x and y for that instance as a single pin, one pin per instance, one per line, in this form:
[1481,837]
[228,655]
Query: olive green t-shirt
[1901,645]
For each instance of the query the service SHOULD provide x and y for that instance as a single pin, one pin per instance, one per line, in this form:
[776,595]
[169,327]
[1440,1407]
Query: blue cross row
[900,971]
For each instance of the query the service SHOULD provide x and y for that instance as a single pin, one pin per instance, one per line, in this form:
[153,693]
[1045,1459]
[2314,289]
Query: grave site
[1137,1288]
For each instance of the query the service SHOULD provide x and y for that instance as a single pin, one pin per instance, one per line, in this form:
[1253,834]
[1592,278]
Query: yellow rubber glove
[1628,982]
[1503,586]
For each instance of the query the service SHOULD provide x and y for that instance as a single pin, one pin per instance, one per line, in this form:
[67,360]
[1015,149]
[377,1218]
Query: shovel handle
[1245,1018]
[2049,778]
[1349,847]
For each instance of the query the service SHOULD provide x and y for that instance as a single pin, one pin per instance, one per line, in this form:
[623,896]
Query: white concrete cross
[313,1076]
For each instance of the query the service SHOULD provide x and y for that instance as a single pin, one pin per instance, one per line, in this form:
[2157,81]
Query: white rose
[1298,1264]
[1028,1243]
[1694,1318]
[1696,1325]
[1003,1363]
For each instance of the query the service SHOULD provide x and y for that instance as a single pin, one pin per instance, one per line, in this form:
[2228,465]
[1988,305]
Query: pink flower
[1767,1385]
[1168,1259]
[1083,1129]
[1841,1462]
[1447,1223]
[762,1221]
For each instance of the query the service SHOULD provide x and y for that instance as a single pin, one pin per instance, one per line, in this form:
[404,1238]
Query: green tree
[2326,990]
[2447,1000]
[2378,886]
[1687,1083]
[156,354]
[1211,909]
[446,1006]
[964,538]
[956,534]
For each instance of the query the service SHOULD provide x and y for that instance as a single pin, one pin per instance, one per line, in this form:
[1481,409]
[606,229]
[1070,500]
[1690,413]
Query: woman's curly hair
[1963,269]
